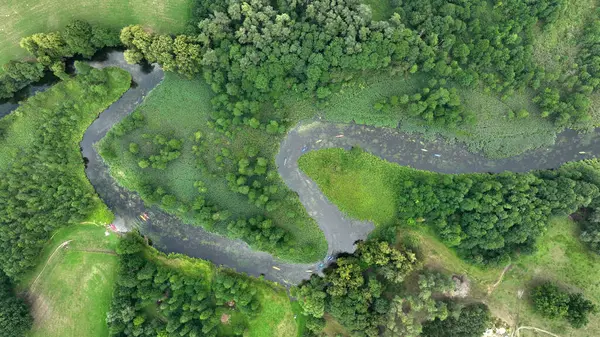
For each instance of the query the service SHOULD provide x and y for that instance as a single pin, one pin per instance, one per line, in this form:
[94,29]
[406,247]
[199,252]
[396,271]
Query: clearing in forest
[71,288]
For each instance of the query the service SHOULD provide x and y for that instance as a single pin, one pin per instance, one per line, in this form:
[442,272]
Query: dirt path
[102,251]
[34,283]
[493,287]
[517,332]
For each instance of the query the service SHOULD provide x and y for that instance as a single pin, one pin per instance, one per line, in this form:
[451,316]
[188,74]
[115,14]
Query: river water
[170,235]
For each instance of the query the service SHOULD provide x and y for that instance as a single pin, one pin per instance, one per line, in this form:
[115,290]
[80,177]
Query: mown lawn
[179,107]
[560,256]
[22,18]
[71,288]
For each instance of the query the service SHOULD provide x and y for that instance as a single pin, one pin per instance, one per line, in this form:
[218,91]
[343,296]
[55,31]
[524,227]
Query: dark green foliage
[78,37]
[15,319]
[489,217]
[552,302]
[152,299]
[43,188]
[471,321]
[17,75]
[353,290]
[591,230]
[360,294]
[259,232]
[162,151]
[579,308]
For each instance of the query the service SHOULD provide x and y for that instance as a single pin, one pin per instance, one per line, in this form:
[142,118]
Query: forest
[44,187]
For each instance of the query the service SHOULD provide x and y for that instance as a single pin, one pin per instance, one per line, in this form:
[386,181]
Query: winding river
[169,234]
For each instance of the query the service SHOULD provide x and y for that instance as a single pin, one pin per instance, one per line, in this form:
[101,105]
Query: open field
[22,18]
[71,288]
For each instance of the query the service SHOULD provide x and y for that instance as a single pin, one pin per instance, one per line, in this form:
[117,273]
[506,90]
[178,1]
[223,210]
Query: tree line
[51,50]
[489,217]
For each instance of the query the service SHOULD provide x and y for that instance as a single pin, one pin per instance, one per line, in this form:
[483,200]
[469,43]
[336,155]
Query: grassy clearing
[381,9]
[359,187]
[22,18]
[333,328]
[277,314]
[72,294]
[178,108]
[494,133]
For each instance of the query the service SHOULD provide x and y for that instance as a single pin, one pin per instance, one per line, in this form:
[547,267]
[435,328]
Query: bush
[15,320]
[552,302]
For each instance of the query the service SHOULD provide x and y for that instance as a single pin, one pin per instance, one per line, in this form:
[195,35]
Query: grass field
[22,18]
[178,108]
[71,288]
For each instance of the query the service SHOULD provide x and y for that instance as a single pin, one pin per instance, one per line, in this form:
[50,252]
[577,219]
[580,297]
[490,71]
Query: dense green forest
[44,186]
[15,319]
